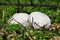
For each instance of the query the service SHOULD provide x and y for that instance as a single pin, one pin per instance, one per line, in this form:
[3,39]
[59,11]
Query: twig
[29,36]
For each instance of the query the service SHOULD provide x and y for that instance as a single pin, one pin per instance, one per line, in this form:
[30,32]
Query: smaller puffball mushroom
[38,20]
[21,18]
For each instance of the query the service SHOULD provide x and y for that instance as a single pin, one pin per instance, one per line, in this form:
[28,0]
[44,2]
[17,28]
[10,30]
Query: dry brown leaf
[55,38]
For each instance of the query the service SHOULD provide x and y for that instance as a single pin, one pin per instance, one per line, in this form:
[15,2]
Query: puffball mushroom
[38,19]
[21,18]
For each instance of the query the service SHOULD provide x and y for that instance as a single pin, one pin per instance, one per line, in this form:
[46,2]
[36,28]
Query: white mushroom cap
[40,18]
[19,17]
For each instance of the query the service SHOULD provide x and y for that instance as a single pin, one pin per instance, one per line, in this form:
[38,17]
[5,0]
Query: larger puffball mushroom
[21,18]
[38,19]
